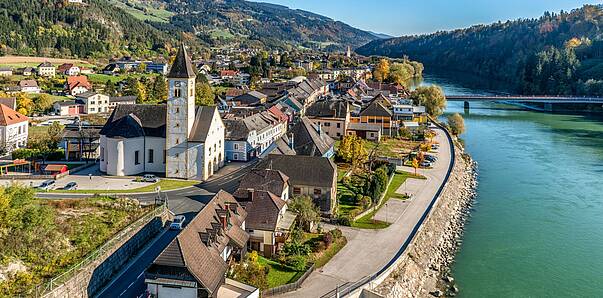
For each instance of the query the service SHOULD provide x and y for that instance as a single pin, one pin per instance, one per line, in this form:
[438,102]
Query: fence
[288,287]
[99,253]
[350,288]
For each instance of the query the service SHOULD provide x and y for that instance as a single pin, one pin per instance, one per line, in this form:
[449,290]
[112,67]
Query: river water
[537,226]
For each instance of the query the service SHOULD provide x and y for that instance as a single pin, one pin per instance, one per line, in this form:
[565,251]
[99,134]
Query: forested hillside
[558,53]
[57,28]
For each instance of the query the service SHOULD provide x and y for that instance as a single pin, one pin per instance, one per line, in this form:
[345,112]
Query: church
[178,140]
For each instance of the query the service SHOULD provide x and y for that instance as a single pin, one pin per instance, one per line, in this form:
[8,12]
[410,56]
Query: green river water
[537,225]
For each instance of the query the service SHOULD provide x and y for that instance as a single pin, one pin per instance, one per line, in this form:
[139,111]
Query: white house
[46,69]
[29,86]
[13,129]
[93,102]
[177,139]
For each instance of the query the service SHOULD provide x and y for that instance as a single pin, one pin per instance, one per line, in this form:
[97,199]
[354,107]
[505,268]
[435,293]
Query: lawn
[99,78]
[165,184]
[144,12]
[47,237]
[391,147]
[279,274]
[37,131]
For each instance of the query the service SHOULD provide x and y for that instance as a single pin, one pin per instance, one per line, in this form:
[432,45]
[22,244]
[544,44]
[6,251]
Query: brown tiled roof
[309,140]
[262,179]
[264,211]
[9,116]
[76,81]
[302,170]
[199,245]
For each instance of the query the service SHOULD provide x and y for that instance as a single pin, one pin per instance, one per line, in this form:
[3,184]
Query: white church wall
[130,147]
[157,164]
[103,154]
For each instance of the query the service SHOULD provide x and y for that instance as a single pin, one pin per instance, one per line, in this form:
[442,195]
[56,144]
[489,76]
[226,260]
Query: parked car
[435,146]
[178,222]
[425,164]
[150,178]
[47,185]
[431,158]
[70,186]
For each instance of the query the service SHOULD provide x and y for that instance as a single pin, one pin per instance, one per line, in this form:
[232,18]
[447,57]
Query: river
[537,226]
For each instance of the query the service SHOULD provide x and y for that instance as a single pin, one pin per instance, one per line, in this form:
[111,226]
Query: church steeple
[182,67]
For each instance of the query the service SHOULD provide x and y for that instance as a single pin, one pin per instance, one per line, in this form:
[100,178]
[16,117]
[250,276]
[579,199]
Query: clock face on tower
[177,84]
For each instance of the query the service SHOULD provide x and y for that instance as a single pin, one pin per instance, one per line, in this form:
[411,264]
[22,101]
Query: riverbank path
[368,251]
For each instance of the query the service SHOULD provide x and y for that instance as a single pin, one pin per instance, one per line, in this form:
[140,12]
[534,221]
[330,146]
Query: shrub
[346,180]
[321,246]
[296,248]
[297,262]
[328,239]
[358,199]
[344,220]
[365,202]
[336,233]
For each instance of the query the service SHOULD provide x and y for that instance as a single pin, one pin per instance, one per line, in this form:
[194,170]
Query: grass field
[279,274]
[144,11]
[99,78]
[24,61]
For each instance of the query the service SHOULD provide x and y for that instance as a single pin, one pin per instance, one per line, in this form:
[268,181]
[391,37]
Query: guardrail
[61,279]
[349,288]
[288,287]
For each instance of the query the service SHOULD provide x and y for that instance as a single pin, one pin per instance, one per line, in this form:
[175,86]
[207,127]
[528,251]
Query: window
[338,125]
[151,155]
[177,125]
[177,110]
[296,191]
[235,156]
[317,192]
[136,160]
[327,124]
[177,92]
[236,146]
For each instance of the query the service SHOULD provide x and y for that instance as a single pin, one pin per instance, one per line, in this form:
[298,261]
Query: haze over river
[537,226]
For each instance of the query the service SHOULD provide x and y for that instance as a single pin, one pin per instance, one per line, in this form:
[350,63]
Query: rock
[455,289]
[448,279]
[436,293]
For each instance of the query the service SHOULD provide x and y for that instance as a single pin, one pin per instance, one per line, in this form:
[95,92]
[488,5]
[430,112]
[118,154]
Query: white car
[150,178]
[47,185]
[178,222]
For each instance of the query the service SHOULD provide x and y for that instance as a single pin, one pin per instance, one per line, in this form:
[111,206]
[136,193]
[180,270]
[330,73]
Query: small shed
[55,169]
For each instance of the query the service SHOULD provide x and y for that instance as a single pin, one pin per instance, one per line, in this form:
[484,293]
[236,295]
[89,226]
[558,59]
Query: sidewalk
[368,251]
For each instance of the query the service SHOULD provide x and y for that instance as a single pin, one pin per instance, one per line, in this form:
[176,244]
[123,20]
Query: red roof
[274,110]
[9,116]
[230,73]
[76,81]
[64,67]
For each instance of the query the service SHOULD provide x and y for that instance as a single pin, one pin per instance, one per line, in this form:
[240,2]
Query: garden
[40,239]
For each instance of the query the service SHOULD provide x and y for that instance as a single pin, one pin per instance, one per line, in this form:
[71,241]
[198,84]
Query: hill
[56,28]
[558,53]
[219,22]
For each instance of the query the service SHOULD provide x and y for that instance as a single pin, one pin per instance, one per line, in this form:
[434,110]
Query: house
[29,86]
[86,70]
[228,74]
[46,69]
[332,116]
[310,140]
[111,69]
[403,112]
[69,69]
[13,129]
[177,139]
[313,176]
[93,102]
[377,112]
[420,114]
[251,98]
[55,169]
[68,108]
[273,181]
[117,100]
[194,264]
[80,142]
[27,71]
[367,131]
[250,137]
[77,85]
[6,71]
[157,67]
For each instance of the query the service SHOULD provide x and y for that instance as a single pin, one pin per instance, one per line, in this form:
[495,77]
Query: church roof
[134,120]
[203,120]
[182,66]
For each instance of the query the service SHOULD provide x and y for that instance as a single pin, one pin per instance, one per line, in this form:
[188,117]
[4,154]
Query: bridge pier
[548,107]
[466,105]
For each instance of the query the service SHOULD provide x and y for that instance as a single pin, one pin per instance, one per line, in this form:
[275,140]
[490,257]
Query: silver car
[47,185]
[178,222]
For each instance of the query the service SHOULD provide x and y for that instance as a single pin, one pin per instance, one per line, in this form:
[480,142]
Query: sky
[406,17]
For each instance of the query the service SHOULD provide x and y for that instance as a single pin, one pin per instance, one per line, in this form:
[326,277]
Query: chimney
[319,130]
[223,221]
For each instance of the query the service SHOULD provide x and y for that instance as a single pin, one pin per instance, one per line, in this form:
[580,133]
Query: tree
[351,149]
[204,95]
[432,97]
[381,72]
[307,211]
[140,91]
[24,104]
[110,88]
[415,165]
[456,124]
[159,91]
[251,272]
[142,68]
[43,103]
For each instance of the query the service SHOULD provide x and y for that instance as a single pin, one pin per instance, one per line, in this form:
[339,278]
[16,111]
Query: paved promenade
[368,251]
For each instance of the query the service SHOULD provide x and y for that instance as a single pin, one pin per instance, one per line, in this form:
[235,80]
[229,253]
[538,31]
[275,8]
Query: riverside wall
[424,268]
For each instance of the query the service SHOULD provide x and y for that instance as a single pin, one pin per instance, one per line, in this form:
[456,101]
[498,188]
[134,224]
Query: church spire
[182,66]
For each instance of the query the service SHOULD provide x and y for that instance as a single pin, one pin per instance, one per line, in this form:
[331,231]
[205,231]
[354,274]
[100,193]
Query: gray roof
[87,94]
[302,170]
[364,127]
[130,98]
[132,120]
[251,97]
[330,109]
[182,66]
[307,140]
[262,179]
[238,129]
[203,120]
[376,109]
[263,211]
[282,146]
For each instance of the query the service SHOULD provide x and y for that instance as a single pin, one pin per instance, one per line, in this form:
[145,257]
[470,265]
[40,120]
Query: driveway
[368,251]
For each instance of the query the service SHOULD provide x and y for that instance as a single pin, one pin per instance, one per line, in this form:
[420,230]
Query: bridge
[533,102]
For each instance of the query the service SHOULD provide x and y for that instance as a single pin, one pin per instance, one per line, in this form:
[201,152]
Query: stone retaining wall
[424,268]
